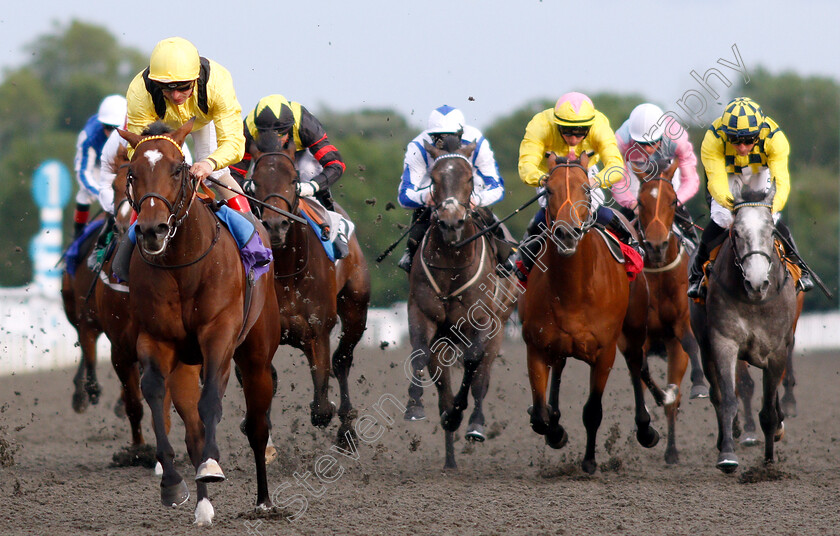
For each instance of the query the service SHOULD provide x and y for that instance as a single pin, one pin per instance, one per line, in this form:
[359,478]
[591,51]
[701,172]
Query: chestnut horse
[579,304]
[312,291]
[750,315]
[666,271]
[194,311]
[456,305]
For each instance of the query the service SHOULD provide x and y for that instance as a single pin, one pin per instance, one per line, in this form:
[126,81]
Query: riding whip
[388,251]
[499,222]
[790,249]
[257,201]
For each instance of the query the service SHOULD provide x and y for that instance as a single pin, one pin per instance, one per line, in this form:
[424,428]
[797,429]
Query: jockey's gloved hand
[307,189]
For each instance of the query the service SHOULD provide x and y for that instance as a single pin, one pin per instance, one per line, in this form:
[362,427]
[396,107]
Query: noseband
[182,202]
[590,220]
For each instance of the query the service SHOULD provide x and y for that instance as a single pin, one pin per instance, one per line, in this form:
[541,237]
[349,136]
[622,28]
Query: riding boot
[529,248]
[806,282]
[713,234]
[96,257]
[80,219]
[420,220]
[505,254]
[685,223]
[239,203]
[617,227]
[122,257]
[325,198]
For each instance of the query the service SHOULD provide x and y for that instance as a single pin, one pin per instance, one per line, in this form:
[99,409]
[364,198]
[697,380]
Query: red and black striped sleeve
[314,137]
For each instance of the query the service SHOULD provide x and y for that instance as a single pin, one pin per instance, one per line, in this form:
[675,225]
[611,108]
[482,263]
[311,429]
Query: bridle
[186,194]
[738,258]
[293,204]
[451,200]
[554,221]
[642,228]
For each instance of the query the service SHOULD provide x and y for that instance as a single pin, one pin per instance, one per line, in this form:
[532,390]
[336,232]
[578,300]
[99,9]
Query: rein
[293,206]
[590,221]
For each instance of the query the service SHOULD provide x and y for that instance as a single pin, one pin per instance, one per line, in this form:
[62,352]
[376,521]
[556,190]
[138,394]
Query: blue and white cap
[446,120]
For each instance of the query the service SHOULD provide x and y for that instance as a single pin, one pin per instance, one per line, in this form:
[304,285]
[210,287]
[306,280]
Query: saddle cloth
[621,252]
[71,258]
[320,218]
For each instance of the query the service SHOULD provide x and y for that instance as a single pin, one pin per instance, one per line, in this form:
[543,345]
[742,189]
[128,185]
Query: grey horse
[749,314]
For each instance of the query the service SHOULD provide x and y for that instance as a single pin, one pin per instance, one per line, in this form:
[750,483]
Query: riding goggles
[580,132]
[175,86]
[749,139]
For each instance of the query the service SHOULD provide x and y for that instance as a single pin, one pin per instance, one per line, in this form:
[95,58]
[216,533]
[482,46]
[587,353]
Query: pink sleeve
[622,191]
[689,180]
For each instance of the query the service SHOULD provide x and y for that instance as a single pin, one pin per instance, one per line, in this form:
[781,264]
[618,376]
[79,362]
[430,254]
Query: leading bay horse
[666,271]
[312,291]
[457,306]
[579,304]
[194,311]
[749,314]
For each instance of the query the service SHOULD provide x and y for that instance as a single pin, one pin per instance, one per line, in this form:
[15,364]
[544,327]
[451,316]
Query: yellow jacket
[213,99]
[721,160]
[542,136]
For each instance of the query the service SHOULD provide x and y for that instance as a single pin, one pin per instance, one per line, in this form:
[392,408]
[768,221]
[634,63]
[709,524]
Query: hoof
[242,427]
[80,402]
[780,432]
[588,466]
[556,438]
[538,424]
[789,407]
[647,439]
[209,471]
[322,419]
[450,466]
[94,392]
[119,408]
[749,439]
[699,391]
[414,412]
[451,421]
[475,433]
[727,462]
[174,495]
[670,394]
[204,513]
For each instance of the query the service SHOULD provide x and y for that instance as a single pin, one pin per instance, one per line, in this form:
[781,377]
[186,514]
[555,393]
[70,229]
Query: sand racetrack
[56,473]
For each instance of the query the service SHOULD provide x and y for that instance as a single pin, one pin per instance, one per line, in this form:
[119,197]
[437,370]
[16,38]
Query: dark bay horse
[457,307]
[749,314]
[580,305]
[666,271]
[312,291]
[194,311]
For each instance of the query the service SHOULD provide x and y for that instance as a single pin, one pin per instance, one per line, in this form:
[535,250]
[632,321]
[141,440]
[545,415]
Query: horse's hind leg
[725,364]
[556,437]
[646,434]
[746,390]
[258,386]
[480,386]
[322,410]
[442,377]
[87,388]
[770,415]
[173,490]
[698,386]
[789,382]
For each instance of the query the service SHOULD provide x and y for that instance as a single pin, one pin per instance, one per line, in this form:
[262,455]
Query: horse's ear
[181,134]
[467,150]
[771,192]
[287,141]
[669,173]
[130,137]
[737,194]
[122,153]
[584,158]
[432,150]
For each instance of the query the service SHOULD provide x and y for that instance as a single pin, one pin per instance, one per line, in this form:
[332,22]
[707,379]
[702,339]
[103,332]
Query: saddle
[793,269]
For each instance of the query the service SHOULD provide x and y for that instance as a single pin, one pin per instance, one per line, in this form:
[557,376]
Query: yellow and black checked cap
[742,117]
[271,113]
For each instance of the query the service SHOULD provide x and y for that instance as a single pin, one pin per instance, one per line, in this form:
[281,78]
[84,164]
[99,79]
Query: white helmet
[446,120]
[112,111]
[644,123]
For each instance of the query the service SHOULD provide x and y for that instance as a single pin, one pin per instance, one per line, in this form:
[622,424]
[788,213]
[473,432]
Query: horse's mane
[271,141]
[156,129]
[752,196]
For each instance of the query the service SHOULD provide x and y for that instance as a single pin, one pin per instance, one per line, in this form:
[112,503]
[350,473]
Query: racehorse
[97,304]
[749,314]
[579,304]
[195,308]
[457,307]
[666,271]
[312,291]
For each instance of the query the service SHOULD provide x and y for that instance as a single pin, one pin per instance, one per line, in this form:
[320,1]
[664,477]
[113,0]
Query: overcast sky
[487,57]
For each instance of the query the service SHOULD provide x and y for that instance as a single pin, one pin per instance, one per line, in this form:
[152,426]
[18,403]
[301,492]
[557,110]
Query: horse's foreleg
[745,389]
[725,362]
[322,410]
[789,382]
[593,410]
[157,362]
[480,386]
[216,344]
[689,344]
[352,308]
[449,422]
[538,371]
[258,387]
[556,437]
[645,433]
[128,372]
[677,365]
[87,388]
